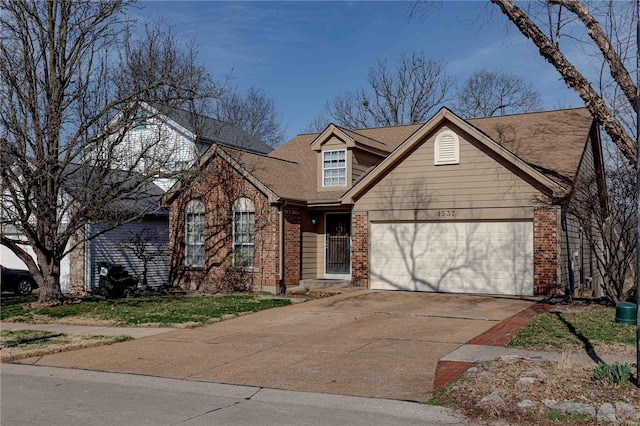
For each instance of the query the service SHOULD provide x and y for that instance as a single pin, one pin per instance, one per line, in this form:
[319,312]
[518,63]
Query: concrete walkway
[492,345]
[391,345]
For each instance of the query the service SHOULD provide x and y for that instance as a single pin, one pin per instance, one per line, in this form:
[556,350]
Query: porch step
[325,283]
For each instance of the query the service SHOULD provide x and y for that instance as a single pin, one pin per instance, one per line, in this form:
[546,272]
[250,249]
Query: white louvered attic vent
[446,149]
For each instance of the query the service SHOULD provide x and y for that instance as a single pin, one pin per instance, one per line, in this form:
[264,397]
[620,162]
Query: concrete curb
[133,332]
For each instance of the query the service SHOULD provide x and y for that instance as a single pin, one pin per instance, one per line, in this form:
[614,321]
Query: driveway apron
[366,343]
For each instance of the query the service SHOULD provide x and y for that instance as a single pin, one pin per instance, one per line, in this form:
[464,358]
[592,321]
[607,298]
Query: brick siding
[360,248]
[218,185]
[546,251]
[292,245]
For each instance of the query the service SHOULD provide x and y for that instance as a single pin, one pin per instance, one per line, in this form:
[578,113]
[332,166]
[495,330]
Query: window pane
[243,232]
[334,168]
[194,234]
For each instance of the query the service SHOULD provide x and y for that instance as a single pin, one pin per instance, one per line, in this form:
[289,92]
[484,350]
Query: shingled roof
[210,130]
[551,142]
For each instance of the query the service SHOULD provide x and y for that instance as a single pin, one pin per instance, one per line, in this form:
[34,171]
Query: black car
[18,281]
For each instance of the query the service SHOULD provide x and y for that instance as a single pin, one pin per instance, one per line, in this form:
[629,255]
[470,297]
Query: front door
[338,250]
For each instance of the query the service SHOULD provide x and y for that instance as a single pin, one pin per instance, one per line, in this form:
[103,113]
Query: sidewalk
[133,332]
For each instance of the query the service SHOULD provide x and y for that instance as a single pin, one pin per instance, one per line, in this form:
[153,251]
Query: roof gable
[418,137]
[351,139]
[241,165]
[545,146]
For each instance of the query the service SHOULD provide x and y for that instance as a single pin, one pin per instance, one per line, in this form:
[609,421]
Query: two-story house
[178,138]
[451,205]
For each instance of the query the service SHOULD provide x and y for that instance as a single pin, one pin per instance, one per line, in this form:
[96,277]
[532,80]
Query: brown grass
[75,341]
[563,381]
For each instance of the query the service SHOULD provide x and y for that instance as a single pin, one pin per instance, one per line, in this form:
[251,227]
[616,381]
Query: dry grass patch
[560,382]
[20,344]
[567,329]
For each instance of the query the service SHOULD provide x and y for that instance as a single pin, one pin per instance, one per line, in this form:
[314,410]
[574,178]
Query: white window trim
[194,207]
[454,157]
[324,185]
[244,206]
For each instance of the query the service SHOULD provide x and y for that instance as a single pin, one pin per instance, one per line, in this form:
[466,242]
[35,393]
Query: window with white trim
[243,232]
[334,168]
[446,148]
[194,234]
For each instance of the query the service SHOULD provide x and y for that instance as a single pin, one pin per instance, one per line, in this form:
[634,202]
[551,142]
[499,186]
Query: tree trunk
[50,291]
[576,81]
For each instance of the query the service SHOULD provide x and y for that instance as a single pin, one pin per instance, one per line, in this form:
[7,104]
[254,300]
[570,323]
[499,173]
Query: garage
[489,257]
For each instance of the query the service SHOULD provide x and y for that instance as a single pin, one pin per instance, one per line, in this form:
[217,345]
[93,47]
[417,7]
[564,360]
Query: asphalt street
[35,395]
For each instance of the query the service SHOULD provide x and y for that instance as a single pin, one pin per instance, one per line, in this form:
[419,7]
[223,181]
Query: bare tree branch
[485,93]
[618,70]
[73,75]
[254,112]
[575,80]
[405,94]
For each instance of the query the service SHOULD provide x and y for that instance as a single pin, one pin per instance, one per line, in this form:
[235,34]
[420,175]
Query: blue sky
[304,53]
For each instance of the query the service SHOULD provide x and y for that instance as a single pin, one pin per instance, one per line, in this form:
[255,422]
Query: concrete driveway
[364,343]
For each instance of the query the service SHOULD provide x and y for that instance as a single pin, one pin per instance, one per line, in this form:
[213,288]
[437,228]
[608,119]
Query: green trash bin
[627,313]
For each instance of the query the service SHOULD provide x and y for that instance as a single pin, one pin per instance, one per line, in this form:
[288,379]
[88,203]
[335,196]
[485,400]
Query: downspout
[569,290]
[283,287]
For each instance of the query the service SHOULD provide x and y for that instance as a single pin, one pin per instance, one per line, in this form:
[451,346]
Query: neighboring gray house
[185,136]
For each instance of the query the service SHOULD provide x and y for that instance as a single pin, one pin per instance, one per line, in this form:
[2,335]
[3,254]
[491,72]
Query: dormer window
[446,149]
[334,168]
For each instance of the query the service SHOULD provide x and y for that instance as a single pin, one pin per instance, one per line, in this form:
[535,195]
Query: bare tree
[558,18]
[254,112]
[318,124]
[147,245]
[72,75]
[486,93]
[608,29]
[609,226]
[405,94]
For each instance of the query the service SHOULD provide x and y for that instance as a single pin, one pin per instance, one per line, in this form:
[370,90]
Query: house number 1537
[446,213]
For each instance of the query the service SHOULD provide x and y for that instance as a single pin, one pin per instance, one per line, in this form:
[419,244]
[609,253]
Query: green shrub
[615,374]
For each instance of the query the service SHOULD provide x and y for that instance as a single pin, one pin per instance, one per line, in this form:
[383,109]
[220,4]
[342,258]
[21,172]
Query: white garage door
[462,257]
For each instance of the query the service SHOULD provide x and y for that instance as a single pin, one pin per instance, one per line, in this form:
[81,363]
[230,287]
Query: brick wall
[546,251]
[292,245]
[360,248]
[218,185]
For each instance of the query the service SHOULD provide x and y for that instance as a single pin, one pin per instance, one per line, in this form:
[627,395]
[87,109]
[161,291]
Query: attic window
[334,168]
[446,149]
[140,120]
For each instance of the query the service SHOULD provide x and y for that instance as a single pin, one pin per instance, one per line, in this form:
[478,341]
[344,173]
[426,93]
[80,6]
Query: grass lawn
[160,311]
[18,344]
[578,327]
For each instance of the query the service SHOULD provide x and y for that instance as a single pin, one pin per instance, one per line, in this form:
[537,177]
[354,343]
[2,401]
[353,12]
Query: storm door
[338,244]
